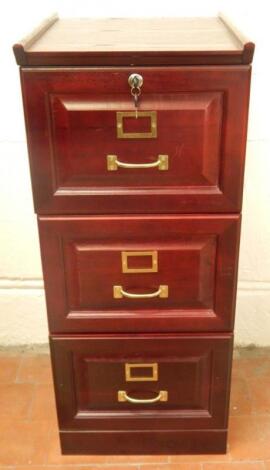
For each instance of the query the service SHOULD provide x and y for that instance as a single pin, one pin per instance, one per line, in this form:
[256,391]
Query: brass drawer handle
[119,293]
[123,396]
[162,163]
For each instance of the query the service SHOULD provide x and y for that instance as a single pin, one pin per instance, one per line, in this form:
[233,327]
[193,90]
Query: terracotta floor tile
[42,467]
[249,437]
[8,368]
[234,466]
[50,467]
[200,458]
[172,466]
[23,443]
[43,404]
[153,459]
[253,367]
[101,467]
[129,466]
[15,400]
[236,368]
[240,403]
[35,368]
[260,395]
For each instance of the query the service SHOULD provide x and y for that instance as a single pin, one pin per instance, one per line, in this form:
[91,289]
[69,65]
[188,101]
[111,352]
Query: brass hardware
[127,254]
[135,80]
[161,163]
[123,396]
[140,378]
[121,134]
[119,293]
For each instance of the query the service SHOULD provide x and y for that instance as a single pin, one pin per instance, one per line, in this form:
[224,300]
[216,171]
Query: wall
[22,305]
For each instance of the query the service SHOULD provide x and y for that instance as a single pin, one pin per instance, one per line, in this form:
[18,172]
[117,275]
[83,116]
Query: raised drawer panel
[144,274]
[86,143]
[107,383]
[186,127]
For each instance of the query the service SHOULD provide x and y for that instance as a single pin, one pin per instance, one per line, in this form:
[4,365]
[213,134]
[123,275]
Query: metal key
[135,82]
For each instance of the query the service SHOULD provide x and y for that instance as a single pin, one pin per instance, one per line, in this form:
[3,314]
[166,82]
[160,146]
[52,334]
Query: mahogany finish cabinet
[136,132]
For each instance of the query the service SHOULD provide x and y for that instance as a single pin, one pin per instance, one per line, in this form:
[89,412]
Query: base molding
[144,442]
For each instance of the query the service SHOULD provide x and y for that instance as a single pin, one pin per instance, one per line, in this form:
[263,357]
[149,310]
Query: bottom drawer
[142,382]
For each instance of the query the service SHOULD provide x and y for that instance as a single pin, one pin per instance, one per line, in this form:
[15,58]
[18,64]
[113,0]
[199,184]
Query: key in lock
[135,82]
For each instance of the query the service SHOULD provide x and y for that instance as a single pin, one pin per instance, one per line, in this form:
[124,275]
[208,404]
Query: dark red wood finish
[84,132]
[90,370]
[206,441]
[75,59]
[71,124]
[197,259]
[188,214]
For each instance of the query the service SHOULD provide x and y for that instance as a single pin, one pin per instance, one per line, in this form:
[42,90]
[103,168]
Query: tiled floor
[28,429]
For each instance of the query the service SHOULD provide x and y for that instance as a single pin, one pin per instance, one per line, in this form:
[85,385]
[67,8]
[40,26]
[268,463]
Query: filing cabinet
[136,133]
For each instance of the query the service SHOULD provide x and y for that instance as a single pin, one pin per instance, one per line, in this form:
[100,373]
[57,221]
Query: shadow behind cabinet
[136,133]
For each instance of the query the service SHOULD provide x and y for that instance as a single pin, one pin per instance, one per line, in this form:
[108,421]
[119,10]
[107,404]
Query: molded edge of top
[25,58]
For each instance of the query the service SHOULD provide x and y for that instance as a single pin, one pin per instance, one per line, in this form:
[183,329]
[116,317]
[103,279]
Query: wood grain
[196,81]
[144,442]
[197,258]
[202,123]
[193,369]
[140,41]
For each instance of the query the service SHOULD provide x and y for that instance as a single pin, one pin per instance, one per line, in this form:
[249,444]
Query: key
[136,104]
[135,82]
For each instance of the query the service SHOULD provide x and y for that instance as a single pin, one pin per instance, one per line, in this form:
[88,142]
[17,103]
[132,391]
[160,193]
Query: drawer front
[173,382]
[143,274]
[86,143]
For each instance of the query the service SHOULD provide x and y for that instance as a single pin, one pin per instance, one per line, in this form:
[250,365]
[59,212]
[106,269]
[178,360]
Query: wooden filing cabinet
[136,132]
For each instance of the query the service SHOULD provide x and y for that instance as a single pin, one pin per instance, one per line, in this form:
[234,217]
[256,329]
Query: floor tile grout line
[133,466]
[30,409]
[16,380]
[62,466]
[48,434]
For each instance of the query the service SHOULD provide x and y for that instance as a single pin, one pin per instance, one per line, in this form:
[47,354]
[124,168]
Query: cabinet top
[134,41]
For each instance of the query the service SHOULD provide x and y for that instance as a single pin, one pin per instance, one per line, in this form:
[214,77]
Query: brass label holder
[121,134]
[129,254]
[152,377]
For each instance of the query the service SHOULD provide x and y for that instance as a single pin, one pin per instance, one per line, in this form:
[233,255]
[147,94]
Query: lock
[135,81]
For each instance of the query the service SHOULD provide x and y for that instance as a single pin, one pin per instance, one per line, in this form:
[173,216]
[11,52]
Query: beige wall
[22,305]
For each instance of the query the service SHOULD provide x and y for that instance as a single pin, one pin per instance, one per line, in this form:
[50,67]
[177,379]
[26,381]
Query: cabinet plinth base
[146,442]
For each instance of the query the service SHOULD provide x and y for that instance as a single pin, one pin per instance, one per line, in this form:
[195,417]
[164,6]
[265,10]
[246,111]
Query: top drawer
[191,128]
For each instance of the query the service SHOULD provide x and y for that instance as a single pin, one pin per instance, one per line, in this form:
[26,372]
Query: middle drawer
[140,274]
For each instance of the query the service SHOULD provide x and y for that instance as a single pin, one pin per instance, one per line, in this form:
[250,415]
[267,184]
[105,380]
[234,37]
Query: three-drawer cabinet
[136,133]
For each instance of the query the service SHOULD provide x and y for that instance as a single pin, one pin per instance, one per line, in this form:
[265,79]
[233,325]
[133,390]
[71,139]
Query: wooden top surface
[128,41]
